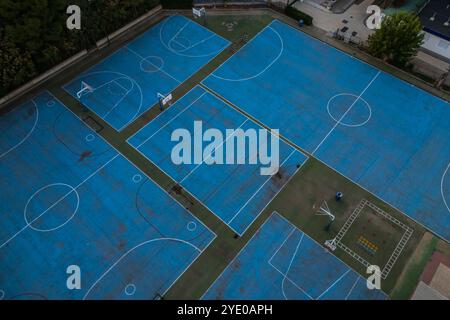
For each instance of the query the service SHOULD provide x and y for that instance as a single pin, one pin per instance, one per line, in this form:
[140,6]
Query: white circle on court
[50,103]
[445,187]
[63,197]
[90,137]
[130,289]
[191,226]
[137,178]
[151,64]
[2,294]
[333,102]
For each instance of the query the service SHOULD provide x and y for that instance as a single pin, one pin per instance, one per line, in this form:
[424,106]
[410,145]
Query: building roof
[440,10]
[425,292]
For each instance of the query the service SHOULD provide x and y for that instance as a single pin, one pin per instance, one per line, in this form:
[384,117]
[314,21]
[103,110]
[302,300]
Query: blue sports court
[386,135]
[282,263]
[236,193]
[126,84]
[69,198]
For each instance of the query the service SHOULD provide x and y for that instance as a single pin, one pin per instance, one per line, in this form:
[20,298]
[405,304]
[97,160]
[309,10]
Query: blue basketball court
[236,193]
[126,84]
[384,134]
[281,262]
[69,198]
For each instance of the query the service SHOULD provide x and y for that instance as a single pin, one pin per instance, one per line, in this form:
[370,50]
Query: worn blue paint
[386,135]
[114,216]
[127,82]
[281,262]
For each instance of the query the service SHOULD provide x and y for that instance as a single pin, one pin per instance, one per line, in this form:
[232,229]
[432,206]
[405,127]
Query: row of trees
[34,37]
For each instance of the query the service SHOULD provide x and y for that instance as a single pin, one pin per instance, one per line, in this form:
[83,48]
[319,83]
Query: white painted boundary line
[285,277]
[262,71]
[442,187]
[160,187]
[167,123]
[138,246]
[200,201]
[156,67]
[285,274]
[28,134]
[294,228]
[346,112]
[259,189]
[163,21]
[320,245]
[167,46]
[210,155]
[57,201]
[301,149]
[148,177]
[237,255]
[242,48]
[359,60]
[384,215]
[352,288]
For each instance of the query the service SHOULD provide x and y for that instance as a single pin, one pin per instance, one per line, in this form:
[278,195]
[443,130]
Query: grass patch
[409,278]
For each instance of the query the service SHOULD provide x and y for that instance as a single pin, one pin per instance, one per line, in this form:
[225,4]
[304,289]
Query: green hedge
[176,4]
[297,15]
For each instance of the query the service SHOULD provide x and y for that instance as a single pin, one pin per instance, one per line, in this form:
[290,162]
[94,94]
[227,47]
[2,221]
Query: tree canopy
[34,37]
[398,39]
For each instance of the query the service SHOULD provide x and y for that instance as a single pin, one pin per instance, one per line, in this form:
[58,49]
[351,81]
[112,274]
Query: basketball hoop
[164,99]
[85,89]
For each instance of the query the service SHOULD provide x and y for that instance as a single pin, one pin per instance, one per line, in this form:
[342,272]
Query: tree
[398,39]
[15,68]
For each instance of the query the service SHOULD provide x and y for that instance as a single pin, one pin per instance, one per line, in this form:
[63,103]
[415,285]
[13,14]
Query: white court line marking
[134,248]
[156,67]
[257,191]
[27,135]
[320,245]
[262,71]
[179,31]
[117,103]
[352,288]
[149,178]
[237,255]
[180,44]
[210,155]
[199,42]
[125,89]
[56,203]
[42,189]
[442,188]
[170,121]
[121,76]
[346,112]
[196,198]
[292,282]
[347,124]
[290,265]
[328,45]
